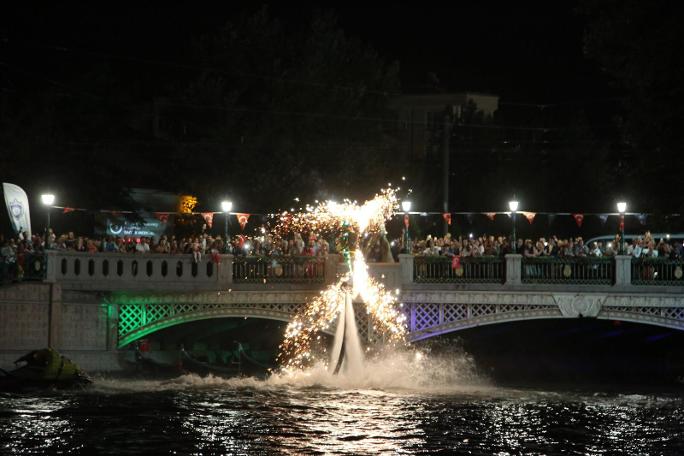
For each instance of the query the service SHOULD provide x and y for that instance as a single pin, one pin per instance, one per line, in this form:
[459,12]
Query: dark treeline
[264,107]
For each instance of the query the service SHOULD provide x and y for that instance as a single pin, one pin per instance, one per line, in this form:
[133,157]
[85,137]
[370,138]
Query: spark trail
[352,220]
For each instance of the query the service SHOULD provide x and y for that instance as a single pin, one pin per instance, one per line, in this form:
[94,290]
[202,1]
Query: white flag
[18,208]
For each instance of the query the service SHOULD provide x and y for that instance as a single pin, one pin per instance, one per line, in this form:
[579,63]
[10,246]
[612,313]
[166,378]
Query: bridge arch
[429,314]
[141,315]
[136,322]
[429,320]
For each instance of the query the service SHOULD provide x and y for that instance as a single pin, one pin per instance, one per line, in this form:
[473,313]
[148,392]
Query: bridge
[95,303]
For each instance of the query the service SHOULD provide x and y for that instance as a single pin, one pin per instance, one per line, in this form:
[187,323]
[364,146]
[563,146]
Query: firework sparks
[330,216]
[321,312]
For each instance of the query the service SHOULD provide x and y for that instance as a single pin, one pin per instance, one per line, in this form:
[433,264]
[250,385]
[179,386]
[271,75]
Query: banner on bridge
[18,208]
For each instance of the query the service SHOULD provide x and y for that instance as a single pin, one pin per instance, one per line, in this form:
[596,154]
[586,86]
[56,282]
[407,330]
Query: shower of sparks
[330,216]
[320,313]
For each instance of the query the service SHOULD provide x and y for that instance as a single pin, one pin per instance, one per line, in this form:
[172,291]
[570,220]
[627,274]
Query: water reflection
[35,423]
[354,422]
[259,418]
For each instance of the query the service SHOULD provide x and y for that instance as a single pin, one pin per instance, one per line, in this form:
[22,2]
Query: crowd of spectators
[645,246]
[376,246]
[16,253]
[203,244]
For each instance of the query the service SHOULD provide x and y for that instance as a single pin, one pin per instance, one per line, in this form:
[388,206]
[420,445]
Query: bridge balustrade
[282,269]
[84,270]
[568,270]
[443,269]
[115,271]
[657,271]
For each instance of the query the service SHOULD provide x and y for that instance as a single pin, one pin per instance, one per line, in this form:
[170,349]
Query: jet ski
[44,368]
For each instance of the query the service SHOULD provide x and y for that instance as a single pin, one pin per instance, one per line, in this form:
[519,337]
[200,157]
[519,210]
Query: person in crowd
[596,250]
[142,246]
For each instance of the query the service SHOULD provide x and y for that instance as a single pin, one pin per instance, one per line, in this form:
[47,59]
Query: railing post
[112,326]
[513,269]
[331,262]
[51,271]
[406,262]
[623,270]
[54,315]
[225,269]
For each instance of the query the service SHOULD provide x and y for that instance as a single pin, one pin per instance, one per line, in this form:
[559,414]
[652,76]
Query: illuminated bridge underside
[142,315]
[429,319]
[429,314]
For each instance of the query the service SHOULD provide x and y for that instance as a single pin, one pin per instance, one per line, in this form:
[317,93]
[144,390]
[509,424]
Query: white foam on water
[408,369]
[393,371]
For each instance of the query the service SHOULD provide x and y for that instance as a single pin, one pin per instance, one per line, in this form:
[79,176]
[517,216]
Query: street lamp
[48,199]
[406,206]
[226,207]
[513,206]
[622,208]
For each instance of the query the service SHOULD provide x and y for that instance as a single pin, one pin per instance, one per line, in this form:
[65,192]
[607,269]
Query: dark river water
[191,415]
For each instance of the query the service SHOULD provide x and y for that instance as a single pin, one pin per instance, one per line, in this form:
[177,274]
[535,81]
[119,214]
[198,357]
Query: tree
[291,107]
[640,46]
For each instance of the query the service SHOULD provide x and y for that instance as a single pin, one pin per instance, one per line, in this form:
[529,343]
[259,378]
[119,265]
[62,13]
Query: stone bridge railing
[153,272]
[516,271]
[114,271]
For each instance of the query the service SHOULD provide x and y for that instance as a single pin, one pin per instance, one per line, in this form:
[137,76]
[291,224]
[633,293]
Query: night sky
[524,54]
[588,108]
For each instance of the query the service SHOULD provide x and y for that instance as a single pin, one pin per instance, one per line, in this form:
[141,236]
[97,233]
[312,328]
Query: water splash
[404,371]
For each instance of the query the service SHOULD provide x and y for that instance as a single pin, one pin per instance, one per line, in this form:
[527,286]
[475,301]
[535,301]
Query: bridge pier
[54,315]
[513,270]
[623,270]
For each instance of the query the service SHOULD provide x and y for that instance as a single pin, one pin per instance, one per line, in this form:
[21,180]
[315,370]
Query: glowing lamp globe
[406,206]
[226,206]
[513,205]
[48,199]
[622,207]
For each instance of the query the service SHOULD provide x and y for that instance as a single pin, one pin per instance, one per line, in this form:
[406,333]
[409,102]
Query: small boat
[145,366]
[243,365]
[44,368]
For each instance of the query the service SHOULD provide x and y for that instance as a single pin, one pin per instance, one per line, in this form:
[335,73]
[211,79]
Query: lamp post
[406,206]
[513,206]
[48,199]
[622,208]
[226,207]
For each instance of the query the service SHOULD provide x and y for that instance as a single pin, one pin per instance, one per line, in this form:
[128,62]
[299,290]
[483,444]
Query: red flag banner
[529,216]
[406,221]
[242,219]
[490,215]
[162,216]
[579,218]
[209,218]
[447,217]
[68,209]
